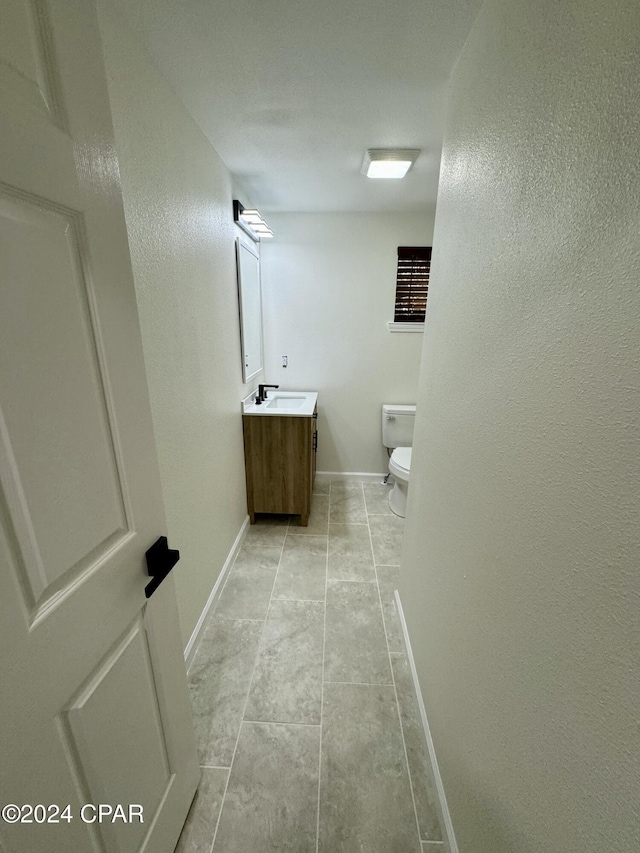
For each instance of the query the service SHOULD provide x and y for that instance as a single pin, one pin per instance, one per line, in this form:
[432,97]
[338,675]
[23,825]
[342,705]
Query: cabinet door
[278,464]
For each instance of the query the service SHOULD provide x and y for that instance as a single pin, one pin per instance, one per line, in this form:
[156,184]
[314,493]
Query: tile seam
[362,683]
[324,642]
[282,723]
[349,580]
[246,699]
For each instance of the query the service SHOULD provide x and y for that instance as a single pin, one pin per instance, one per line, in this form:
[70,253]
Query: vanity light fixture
[250,221]
[389,162]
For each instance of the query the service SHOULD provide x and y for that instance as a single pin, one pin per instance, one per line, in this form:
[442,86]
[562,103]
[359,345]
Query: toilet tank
[397,425]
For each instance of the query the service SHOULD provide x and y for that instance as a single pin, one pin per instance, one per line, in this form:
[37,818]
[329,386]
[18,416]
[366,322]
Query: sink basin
[299,404]
[282,402]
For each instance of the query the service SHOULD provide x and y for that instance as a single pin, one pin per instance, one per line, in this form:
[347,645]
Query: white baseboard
[195,638]
[444,808]
[352,475]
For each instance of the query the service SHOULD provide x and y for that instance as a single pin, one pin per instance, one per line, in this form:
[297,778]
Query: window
[412,284]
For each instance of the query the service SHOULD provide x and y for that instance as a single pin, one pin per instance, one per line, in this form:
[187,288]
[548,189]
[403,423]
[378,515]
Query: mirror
[250,301]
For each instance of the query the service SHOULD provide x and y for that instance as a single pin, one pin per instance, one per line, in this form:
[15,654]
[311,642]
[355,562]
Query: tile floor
[308,730]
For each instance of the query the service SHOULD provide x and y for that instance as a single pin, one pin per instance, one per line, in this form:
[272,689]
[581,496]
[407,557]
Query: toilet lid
[401,457]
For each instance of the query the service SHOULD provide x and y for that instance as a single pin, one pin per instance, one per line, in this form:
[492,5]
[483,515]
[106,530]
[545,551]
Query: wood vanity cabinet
[280,463]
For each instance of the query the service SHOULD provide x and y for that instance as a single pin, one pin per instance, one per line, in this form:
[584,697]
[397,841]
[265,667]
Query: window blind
[412,284]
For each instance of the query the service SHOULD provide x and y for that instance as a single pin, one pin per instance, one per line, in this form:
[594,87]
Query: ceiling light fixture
[389,162]
[250,221]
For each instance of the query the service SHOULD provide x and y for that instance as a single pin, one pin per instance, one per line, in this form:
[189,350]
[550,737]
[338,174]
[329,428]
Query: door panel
[94,701]
[115,730]
[25,49]
[54,432]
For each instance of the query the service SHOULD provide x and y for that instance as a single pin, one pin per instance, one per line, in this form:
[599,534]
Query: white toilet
[397,433]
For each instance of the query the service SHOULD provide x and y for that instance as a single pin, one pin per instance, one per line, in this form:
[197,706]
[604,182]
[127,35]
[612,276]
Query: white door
[94,706]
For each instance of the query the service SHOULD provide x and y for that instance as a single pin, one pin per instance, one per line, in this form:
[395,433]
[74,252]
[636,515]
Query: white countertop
[296,404]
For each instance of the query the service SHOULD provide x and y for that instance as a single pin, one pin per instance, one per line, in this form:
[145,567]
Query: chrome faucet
[262,393]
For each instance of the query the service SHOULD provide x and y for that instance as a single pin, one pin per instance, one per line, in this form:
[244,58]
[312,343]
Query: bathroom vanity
[280,445]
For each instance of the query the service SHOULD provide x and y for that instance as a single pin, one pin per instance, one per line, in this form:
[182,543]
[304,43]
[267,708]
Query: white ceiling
[291,92]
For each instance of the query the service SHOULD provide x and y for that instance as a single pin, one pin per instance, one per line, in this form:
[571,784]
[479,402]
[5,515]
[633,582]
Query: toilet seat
[400,462]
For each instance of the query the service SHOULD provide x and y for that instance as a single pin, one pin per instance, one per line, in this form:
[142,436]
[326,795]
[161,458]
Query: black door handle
[160,560]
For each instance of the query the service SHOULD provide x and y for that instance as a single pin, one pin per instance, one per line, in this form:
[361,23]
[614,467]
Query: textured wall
[177,199]
[521,582]
[328,288]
